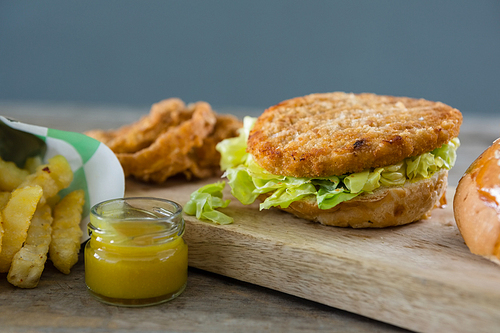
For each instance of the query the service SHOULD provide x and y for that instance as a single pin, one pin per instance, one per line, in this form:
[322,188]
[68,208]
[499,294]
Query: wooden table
[211,303]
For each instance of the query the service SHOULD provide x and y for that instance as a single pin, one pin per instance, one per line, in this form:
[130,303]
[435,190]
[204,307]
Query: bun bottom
[384,207]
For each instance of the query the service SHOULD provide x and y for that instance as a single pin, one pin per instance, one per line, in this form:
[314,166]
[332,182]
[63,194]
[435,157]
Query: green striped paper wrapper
[95,167]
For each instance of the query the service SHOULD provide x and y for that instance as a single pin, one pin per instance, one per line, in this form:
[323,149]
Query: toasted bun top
[329,134]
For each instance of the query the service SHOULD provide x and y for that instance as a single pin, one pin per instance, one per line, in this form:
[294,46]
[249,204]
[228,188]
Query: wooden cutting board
[420,276]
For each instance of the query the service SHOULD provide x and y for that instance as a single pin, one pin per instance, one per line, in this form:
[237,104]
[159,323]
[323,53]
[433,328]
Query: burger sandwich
[343,159]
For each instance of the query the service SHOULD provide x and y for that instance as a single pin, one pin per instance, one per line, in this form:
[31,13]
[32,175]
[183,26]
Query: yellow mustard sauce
[136,255]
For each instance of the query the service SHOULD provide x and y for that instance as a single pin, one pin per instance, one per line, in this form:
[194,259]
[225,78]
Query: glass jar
[136,255]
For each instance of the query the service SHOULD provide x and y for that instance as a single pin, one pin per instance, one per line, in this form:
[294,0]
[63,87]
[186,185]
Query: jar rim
[152,211]
[178,207]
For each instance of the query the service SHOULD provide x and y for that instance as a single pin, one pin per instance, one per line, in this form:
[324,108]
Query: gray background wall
[249,53]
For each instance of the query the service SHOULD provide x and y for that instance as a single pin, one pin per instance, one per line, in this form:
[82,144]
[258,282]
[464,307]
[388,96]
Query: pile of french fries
[35,223]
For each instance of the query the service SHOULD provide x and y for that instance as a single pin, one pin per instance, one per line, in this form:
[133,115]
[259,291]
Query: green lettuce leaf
[205,201]
[284,196]
[233,150]
[425,165]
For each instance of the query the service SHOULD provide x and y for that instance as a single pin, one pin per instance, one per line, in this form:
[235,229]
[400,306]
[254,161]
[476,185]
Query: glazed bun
[476,204]
[385,207]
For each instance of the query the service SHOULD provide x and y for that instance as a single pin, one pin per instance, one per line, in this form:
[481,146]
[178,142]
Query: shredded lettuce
[235,148]
[205,201]
[248,180]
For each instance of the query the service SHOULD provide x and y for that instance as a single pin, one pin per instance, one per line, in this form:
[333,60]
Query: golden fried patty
[338,133]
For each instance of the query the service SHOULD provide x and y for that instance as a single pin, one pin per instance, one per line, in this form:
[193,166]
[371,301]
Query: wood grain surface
[420,276]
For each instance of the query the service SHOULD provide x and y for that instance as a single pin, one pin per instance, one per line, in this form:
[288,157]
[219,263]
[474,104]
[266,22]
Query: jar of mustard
[136,255]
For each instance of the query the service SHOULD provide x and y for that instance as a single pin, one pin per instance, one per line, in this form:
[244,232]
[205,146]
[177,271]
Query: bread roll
[476,204]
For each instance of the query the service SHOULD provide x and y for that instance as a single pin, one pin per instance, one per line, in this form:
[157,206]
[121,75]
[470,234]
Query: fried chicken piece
[206,159]
[321,135]
[172,139]
[168,154]
[203,161]
[134,137]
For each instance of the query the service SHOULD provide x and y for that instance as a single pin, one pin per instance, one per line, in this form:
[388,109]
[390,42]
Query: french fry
[34,222]
[26,266]
[32,163]
[53,200]
[4,198]
[66,232]
[60,171]
[40,230]
[42,178]
[1,232]
[52,177]
[28,263]
[10,175]
[16,218]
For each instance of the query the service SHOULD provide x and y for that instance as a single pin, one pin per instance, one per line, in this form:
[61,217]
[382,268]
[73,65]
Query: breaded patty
[336,133]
